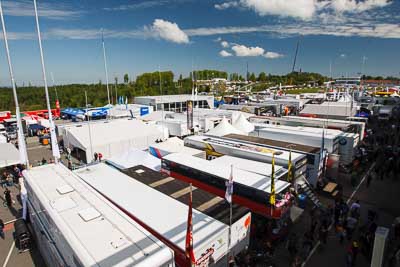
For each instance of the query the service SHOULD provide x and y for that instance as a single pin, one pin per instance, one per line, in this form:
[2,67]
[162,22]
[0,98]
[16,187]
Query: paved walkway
[381,197]
[9,254]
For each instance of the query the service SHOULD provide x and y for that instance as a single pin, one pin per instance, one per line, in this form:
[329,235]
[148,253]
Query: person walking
[96,156]
[323,233]
[354,251]
[351,224]
[7,196]
[2,229]
[349,258]
[292,246]
[100,157]
[369,179]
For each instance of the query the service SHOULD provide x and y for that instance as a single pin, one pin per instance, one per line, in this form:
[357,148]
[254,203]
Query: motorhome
[251,189]
[160,214]
[75,226]
[218,146]
[313,154]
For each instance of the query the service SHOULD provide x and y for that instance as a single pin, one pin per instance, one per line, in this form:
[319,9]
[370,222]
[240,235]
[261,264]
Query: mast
[105,65]
[54,144]
[21,140]
[295,55]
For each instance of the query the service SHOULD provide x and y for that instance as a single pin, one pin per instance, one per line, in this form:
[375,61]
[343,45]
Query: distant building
[381,83]
[176,103]
[347,81]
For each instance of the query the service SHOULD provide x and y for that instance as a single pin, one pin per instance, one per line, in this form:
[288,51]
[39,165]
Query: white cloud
[224,44]
[226,5]
[357,6]
[272,55]
[343,55]
[303,9]
[50,11]
[359,29]
[224,53]
[167,30]
[244,51]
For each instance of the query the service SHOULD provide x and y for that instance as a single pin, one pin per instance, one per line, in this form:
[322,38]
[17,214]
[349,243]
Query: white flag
[54,141]
[229,187]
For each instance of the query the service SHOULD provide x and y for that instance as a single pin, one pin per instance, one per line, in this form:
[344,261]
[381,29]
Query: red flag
[189,233]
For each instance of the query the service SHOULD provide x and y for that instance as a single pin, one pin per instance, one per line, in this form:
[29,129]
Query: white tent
[243,125]
[224,128]
[111,138]
[135,157]
[9,155]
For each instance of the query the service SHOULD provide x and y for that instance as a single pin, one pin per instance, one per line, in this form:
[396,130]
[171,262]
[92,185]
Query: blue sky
[221,34]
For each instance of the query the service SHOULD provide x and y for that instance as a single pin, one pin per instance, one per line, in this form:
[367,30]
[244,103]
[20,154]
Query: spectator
[354,250]
[341,232]
[1,229]
[100,157]
[44,161]
[7,196]
[355,209]
[96,156]
[351,224]
[292,245]
[323,233]
[349,258]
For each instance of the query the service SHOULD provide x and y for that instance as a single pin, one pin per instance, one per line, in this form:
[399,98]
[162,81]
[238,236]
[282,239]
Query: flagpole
[230,220]
[272,195]
[21,140]
[54,143]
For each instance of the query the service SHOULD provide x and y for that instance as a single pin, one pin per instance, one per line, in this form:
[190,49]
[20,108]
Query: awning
[9,155]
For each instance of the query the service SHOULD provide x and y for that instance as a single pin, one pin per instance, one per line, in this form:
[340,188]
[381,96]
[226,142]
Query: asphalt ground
[381,196]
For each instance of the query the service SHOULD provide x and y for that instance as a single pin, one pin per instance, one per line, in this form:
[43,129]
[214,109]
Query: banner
[189,113]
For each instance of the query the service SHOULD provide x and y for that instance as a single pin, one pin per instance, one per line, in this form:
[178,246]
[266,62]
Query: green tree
[126,78]
[262,77]
[252,77]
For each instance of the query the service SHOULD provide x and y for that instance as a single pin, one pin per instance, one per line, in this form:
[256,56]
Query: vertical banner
[189,113]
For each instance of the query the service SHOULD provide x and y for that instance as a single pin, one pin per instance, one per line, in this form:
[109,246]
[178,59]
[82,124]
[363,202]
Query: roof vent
[139,171]
[65,189]
[118,243]
[89,214]
[64,203]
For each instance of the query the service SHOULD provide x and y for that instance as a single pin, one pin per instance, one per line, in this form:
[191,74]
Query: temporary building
[135,157]
[224,128]
[9,155]
[110,138]
[243,124]
[3,139]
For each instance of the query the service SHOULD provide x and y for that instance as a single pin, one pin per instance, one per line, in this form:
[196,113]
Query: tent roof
[109,132]
[224,128]
[243,125]
[9,155]
[135,157]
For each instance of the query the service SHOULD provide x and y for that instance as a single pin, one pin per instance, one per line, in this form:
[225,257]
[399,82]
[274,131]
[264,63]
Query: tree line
[73,95]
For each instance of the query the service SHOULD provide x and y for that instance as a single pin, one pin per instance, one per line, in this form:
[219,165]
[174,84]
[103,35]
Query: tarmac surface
[381,196]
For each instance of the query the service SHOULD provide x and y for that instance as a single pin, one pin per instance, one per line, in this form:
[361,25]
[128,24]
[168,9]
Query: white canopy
[111,138]
[9,155]
[135,157]
[243,125]
[224,128]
